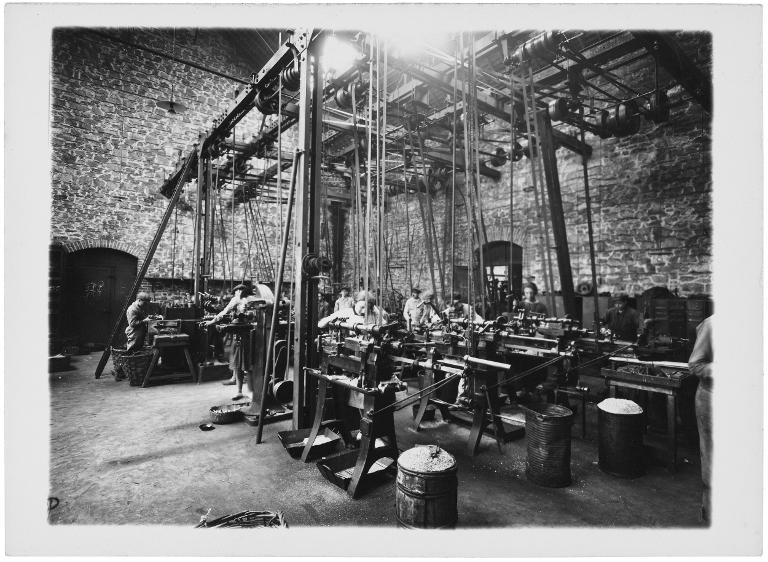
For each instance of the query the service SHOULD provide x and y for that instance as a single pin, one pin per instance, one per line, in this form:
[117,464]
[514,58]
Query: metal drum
[548,431]
[620,429]
[426,489]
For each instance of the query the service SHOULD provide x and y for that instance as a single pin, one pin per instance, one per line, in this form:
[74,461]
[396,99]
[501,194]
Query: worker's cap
[143,296]
[456,296]
[245,290]
[344,289]
[622,297]
[416,290]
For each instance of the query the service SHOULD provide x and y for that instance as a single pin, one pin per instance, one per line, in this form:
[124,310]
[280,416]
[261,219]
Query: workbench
[669,378]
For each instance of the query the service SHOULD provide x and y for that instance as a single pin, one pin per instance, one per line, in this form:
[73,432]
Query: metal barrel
[426,498]
[620,443]
[548,431]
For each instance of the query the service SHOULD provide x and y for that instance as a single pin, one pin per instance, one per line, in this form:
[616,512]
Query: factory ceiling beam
[486,103]
[665,49]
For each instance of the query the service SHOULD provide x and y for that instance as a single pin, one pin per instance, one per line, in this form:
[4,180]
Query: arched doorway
[496,261]
[97,281]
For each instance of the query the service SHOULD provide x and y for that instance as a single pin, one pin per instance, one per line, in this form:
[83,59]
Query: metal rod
[232,265]
[534,178]
[382,190]
[510,287]
[198,214]
[145,264]
[476,177]
[427,236]
[430,217]
[367,238]
[590,234]
[278,289]
[453,181]
[357,201]
[540,169]
[407,228]
[467,179]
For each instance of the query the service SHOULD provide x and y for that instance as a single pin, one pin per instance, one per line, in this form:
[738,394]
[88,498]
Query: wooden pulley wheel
[499,158]
[602,124]
[584,288]
[343,98]
[558,109]
[659,107]
[266,102]
[624,114]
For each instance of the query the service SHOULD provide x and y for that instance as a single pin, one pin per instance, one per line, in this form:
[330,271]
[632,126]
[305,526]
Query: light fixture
[172,106]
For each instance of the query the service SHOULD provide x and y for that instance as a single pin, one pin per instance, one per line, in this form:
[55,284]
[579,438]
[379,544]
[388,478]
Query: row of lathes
[479,374]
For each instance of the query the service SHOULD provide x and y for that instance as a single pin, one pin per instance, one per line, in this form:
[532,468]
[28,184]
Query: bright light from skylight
[338,55]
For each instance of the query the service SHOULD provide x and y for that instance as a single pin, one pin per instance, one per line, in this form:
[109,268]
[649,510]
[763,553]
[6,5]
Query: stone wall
[112,147]
[660,177]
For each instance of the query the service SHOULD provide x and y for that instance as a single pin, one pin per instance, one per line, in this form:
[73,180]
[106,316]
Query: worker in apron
[138,323]
[239,359]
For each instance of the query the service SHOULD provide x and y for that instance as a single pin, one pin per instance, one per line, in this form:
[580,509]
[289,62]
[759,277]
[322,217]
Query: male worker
[344,300]
[239,361]
[138,322]
[700,364]
[459,309]
[364,311]
[622,320]
[413,311]
[431,313]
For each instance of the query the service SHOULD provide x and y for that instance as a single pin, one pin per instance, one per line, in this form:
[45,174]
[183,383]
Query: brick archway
[500,232]
[131,249]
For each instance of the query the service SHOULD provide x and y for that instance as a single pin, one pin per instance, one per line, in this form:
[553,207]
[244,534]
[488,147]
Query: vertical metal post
[590,234]
[306,228]
[198,225]
[510,263]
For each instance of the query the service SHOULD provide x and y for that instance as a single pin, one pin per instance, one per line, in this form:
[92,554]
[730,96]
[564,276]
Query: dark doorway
[496,260]
[98,280]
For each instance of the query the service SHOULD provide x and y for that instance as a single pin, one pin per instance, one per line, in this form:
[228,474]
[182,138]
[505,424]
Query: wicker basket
[229,413]
[135,366]
[118,356]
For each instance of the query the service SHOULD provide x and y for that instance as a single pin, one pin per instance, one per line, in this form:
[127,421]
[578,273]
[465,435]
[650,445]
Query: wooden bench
[168,341]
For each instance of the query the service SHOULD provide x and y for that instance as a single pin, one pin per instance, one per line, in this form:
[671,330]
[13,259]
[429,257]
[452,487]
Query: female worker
[239,360]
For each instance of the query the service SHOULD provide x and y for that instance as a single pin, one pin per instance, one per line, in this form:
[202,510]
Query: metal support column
[549,159]
[308,230]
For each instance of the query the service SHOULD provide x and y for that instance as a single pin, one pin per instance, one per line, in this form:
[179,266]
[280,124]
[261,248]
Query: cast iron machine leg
[320,407]
[372,426]
[426,378]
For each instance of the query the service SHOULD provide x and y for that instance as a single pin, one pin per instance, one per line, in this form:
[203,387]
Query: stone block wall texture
[112,147]
[660,177]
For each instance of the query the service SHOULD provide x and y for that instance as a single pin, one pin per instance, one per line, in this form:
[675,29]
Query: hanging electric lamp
[171,106]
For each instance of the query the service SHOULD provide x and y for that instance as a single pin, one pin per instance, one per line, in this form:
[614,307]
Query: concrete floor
[127,455]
